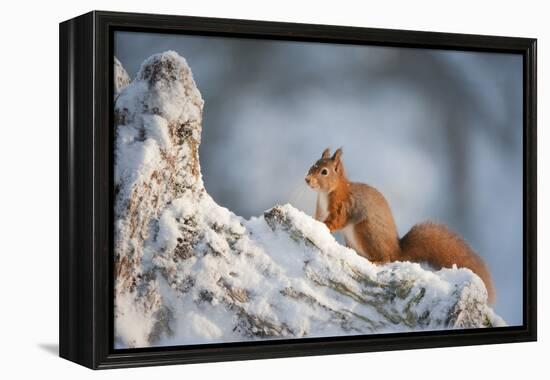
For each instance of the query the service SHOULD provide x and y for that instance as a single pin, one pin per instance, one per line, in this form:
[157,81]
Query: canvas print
[270,189]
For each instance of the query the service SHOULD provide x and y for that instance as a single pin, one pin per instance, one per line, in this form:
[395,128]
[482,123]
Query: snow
[193,272]
[134,322]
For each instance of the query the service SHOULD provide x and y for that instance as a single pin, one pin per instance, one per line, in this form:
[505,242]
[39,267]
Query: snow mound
[189,271]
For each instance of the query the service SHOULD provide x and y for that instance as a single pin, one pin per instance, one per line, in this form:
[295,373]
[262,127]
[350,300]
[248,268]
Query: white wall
[29,190]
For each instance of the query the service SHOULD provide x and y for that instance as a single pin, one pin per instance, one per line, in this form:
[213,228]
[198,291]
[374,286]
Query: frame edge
[76,255]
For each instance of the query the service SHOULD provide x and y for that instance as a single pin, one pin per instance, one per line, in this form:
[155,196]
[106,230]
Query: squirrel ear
[336,156]
[326,153]
[336,159]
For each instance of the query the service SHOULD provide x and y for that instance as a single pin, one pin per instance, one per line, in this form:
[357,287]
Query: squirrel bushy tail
[437,245]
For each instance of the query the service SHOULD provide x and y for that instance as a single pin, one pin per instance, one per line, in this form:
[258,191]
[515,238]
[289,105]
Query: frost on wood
[189,271]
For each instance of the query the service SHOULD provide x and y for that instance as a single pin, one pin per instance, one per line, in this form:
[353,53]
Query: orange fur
[365,217]
[440,247]
[337,208]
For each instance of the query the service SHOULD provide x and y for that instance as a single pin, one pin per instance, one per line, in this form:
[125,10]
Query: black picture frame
[86,190]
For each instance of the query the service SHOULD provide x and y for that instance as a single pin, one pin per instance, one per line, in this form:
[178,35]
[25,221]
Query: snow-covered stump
[189,271]
[403,295]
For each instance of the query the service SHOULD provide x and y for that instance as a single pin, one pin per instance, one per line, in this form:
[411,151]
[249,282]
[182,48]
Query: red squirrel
[364,216]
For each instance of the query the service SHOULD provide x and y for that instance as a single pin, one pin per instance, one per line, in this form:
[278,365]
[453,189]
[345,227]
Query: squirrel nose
[308,180]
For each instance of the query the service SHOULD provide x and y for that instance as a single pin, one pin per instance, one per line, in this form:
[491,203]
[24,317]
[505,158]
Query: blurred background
[438,132]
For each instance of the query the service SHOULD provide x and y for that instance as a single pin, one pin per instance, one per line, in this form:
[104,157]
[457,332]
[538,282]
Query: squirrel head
[327,172]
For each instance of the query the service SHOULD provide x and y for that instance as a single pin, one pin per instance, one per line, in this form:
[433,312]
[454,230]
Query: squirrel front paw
[330,225]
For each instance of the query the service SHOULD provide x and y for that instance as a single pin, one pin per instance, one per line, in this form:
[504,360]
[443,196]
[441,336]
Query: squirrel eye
[324,171]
